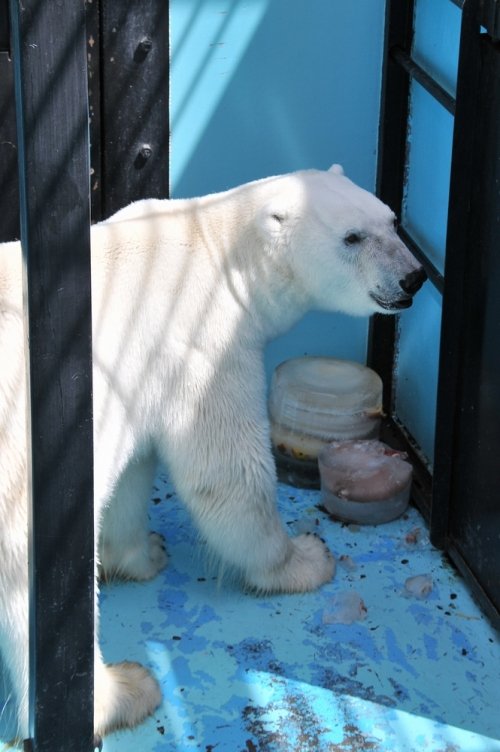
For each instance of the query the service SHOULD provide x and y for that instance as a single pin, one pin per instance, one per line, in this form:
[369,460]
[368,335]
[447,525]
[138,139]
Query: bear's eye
[352,238]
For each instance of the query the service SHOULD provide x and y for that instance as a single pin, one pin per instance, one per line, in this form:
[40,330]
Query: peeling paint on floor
[411,670]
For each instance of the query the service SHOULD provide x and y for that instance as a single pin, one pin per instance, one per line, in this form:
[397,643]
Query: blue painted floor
[247,674]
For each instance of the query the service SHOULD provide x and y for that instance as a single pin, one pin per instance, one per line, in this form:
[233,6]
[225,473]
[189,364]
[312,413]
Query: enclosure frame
[129,158]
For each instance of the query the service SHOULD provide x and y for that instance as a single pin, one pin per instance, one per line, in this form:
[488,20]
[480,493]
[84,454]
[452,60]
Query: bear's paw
[125,694]
[308,565]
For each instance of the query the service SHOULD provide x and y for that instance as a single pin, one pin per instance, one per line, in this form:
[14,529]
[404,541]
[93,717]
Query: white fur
[185,295]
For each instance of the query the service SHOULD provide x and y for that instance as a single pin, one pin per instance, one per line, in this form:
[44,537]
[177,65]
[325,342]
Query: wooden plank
[9,186]
[52,115]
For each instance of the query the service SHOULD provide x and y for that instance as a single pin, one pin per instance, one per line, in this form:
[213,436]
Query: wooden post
[49,52]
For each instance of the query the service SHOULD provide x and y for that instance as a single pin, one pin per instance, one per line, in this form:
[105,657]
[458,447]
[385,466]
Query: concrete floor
[282,673]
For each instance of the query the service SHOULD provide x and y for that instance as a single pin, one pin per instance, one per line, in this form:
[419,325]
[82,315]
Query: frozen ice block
[365,482]
[315,400]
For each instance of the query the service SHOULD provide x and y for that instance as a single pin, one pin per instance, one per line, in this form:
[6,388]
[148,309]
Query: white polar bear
[185,295]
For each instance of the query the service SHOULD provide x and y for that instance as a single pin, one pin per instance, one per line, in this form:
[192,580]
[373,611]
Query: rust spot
[309,734]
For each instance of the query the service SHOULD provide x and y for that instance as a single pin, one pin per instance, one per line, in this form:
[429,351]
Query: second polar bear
[185,295]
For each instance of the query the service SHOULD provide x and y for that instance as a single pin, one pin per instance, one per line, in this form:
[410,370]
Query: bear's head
[340,243]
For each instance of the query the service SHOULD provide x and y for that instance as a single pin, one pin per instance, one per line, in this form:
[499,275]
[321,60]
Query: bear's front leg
[222,466]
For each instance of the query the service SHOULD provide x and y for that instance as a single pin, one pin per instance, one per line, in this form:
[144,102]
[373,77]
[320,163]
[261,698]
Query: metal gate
[459,495]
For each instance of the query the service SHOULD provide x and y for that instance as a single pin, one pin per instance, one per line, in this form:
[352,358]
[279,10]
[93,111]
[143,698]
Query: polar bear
[185,295]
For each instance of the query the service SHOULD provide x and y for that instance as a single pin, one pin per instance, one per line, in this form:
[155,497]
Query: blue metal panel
[261,88]
[436,40]
[417,367]
[425,208]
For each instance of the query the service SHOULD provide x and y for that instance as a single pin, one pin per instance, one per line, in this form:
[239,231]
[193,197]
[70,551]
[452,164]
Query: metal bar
[466,497]
[480,594]
[52,116]
[435,276]
[391,170]
[490,17]
[415,71]
[454,314]
[9,187]
[4,26]
[94,60]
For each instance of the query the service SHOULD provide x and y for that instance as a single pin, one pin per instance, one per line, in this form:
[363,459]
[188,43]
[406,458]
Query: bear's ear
[336,169]
[271,221]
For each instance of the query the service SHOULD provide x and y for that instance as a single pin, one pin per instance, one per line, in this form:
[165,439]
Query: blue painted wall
[436,41]
[262,87]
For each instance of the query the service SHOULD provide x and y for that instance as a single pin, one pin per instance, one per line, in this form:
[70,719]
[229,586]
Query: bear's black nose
[413,281]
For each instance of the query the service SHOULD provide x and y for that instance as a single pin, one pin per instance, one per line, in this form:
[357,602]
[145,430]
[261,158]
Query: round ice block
[365,482]
[315,400]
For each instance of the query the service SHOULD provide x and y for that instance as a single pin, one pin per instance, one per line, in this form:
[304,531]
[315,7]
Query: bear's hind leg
[127,549]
